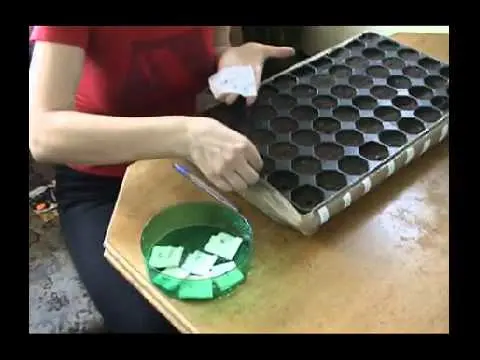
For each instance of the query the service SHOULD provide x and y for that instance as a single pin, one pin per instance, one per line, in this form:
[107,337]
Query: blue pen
[202,185]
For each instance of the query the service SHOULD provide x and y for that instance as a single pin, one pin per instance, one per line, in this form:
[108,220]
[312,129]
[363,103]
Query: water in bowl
[194,238]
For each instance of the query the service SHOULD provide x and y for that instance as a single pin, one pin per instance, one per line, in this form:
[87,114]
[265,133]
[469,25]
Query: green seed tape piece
[166,282]
[229,280]
[165,256]
[196,289]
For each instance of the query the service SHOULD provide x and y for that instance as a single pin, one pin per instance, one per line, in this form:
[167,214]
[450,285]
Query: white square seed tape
[199,263]
[234,80]
[221,269]
[217,270]
[224,245]
[177,273]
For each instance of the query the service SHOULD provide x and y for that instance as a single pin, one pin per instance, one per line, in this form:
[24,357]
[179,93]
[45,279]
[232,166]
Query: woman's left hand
[253,54]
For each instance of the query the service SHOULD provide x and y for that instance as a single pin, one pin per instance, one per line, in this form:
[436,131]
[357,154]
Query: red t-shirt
[137,70]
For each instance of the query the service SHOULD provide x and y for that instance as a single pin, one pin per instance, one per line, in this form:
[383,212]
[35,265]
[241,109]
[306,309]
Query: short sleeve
[68,35]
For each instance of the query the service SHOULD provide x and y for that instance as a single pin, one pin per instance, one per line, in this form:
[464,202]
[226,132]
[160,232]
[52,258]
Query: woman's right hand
[227,158]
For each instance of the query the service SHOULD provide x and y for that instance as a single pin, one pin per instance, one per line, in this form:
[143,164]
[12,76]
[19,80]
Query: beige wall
[236,37]
[317,38]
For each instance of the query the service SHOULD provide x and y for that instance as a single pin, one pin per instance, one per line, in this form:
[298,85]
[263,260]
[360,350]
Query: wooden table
[380,266]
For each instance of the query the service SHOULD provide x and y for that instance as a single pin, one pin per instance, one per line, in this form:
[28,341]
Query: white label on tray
[444,132]
[347,199]
[324,214]
[426,146]
[367,184]
[391,167]
[410,154]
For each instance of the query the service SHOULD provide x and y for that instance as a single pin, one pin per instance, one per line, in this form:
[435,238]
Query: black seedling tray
[323,126]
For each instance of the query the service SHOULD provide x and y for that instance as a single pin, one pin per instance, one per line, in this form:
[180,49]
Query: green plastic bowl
[191,225]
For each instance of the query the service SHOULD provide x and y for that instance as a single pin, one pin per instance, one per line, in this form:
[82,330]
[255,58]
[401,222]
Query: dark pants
[85,205]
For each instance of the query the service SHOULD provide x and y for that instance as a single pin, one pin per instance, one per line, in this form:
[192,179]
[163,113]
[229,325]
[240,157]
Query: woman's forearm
[70,136]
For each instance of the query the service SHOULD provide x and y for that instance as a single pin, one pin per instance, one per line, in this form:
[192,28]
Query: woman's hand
[227,158]
[253,54]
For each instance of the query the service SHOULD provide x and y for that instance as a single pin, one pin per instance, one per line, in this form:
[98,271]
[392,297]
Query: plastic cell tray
[339,123]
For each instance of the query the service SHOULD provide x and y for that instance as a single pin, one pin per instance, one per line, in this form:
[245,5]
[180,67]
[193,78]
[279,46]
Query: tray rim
[310,222]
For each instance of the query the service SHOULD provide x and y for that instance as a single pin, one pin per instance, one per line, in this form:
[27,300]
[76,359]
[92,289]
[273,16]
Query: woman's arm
[57,133]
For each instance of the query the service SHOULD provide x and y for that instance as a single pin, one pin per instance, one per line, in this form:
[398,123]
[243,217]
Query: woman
[104,97]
